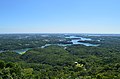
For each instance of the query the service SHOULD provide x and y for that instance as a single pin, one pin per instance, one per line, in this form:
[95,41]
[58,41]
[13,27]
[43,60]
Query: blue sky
[59,16]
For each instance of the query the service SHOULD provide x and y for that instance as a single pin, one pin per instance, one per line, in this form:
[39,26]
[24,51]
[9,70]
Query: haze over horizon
[60,16]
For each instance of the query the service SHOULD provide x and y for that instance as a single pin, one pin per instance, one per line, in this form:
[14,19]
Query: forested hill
[59,62]
[56,62]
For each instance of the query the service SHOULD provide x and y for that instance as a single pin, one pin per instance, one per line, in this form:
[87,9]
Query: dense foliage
[58,62]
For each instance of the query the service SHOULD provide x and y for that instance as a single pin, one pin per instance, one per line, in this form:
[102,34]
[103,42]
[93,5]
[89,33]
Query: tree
[2,64]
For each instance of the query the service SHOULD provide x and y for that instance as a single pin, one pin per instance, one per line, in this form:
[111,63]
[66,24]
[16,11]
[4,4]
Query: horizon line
[54,33]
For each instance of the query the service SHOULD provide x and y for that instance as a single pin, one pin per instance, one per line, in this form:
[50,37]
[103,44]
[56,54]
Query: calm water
[86,44]
[74,40]
[81,38]
[22,51]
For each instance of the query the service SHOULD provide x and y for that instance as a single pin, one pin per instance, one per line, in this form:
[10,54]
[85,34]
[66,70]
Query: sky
[60,16]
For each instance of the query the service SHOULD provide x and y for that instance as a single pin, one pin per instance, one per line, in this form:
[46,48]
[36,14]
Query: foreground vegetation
[57,62]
